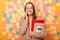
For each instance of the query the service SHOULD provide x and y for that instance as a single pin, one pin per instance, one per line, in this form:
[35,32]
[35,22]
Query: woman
[25,24]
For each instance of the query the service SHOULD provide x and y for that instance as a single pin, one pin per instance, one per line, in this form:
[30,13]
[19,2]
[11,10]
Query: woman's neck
[30,17]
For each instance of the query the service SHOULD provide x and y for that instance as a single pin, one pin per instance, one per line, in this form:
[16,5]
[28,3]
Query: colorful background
[12,10]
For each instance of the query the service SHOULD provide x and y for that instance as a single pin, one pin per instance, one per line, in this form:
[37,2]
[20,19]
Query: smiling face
[29,9]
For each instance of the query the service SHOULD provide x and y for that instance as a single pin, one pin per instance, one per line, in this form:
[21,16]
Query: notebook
[37,25]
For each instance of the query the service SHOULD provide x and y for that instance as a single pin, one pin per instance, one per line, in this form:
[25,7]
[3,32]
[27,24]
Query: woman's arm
[23,26]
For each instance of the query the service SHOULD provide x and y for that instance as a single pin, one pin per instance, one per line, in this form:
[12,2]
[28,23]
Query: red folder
[36,21]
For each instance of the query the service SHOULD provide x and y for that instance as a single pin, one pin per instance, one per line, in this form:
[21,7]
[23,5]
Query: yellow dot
[18,2]
[18,11]
[51,27]
[50,1]
[47,22]
[17,23]
[13,14]
[32,0]
[11,25]
[3,19]
[39,14]
[22,10]
[27,0]
[6,28]
[13,38]
[17,15]
[53,8]
[15,20]
[6,7]
[39,0]
[14,6]
[49,11]
[57,4]
[54,31]
[6,11]
[8,15]
[11,3]
[10,34]
[4,33]
[46,2]
[52,18]
[22,15]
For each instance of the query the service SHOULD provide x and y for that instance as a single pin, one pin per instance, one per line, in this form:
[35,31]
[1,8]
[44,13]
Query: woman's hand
[25,13]
[31,33]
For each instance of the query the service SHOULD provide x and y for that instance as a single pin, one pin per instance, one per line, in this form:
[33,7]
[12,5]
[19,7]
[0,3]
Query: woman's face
[29,9]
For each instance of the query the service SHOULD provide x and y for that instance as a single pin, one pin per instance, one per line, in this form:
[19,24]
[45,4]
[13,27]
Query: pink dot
[51,36]
[6,3]
[7,37]
[8,25]
[53,13]
[13,31]
[58,12]
[19,19]
[56,27]
[56,38]
[15,1]
[3,29]
[6,18]
[50,32]
[7,31]
[3,12]
[18,27]
[46,26]
[13,34]
[23,0]
[4,23]
[55,22]
[16,36]
[36,0]
[10,9]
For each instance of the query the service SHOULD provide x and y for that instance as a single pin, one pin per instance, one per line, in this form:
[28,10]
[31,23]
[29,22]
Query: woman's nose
[29,9]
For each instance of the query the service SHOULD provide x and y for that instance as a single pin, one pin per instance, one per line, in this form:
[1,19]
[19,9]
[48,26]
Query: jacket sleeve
[23,26]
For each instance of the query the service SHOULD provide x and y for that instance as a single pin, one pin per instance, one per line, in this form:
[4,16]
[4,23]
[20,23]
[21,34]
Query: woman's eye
[27,8]
[31,7]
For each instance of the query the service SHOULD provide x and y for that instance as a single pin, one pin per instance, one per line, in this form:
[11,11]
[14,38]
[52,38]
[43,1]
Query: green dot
[55,17]
[17,33]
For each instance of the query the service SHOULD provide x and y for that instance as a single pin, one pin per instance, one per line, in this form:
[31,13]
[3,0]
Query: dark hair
[33,14]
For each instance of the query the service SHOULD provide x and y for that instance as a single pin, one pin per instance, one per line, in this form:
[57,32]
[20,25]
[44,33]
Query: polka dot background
[12,10]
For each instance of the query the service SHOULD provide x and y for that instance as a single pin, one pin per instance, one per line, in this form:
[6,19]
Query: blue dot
[10,16]
[15,11]
[55,17]
[22,4]
[17,33]
[4,15]
[57,1]
[8,21]
[11,29]
[58,33]
[47,14]
[45,19]
[47,4]
[38,10]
